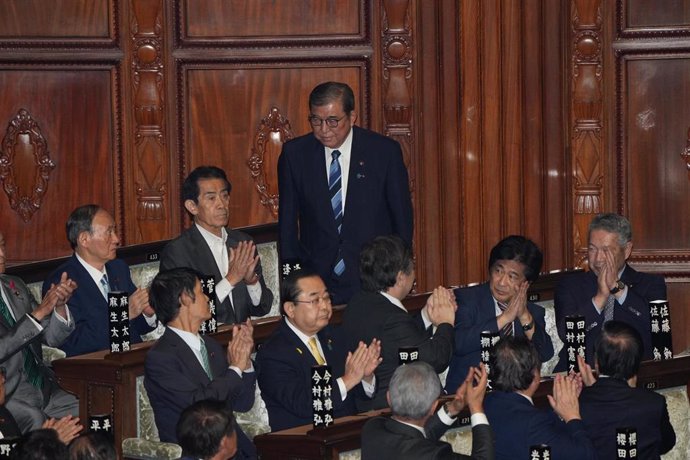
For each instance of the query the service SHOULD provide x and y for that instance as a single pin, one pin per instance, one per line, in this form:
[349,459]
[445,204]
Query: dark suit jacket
[477,313]
[517,425]
[370,315]
[174,379]
[89,309]
[8,426]
[610,403]
[284,364]
[190,250]
[384,438]
[25,335]
[574,294]
[377,203]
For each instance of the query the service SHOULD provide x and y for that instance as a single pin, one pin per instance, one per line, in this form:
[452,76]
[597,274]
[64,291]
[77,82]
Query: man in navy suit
[184,367]
[499,306]
[340,186]
[612,400]
[92,234]
[517,424]
[211,248]
[303,340]
[611,289]
[206,430]
[387,271]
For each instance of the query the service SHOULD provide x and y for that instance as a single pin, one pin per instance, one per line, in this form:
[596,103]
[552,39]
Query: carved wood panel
[73,109]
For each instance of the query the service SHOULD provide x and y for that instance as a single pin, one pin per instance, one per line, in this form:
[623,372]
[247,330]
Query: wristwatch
[618,287]
[528,326]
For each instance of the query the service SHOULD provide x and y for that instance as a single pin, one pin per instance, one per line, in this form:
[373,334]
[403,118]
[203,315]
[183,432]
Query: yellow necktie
[315,351]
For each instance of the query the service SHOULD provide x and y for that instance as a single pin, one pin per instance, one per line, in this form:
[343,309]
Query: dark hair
[289,286]
[166,289]
[202,426]
[92,446]
[331,91]
[190,186]
[80,220]
[519,249]
[380,261]
[516,361]
[42,444]
[613,223]
[618,350]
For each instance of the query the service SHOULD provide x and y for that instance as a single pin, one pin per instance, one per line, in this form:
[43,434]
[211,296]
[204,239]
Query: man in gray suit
[211,248]
[32,394]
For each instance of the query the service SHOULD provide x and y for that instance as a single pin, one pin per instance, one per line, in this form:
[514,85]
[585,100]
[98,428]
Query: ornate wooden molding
[149,105]
[586,118]
[397,46]
[25,165]
[685,154]
[273,131]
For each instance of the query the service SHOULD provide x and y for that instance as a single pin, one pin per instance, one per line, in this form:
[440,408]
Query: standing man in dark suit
[611,289]
[303,340]
[183,367]
[340,186]
[211,248]
[387,271]
[413,431]
[517,424]
[29,388]
[93,267]
[500,305]
[612,400]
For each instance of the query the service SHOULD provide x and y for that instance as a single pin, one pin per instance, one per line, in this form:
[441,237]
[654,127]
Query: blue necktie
[335,189]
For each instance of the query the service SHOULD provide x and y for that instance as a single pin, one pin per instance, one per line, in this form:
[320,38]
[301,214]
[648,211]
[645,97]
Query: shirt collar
[302,336]
[95,273]
[344,149]
[210,238]
[395,301]
[416,427]
[192,340]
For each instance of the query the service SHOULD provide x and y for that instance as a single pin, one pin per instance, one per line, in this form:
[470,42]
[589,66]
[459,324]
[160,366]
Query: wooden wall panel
[270,20]
[653,133]
[59,22]
[223,110]
[73,109]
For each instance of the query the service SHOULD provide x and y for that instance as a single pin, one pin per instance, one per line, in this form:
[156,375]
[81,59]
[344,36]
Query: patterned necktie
[507,330]
[314,348]
[206,364]
[608,308]
[31,366]
[105,286]
[335,190]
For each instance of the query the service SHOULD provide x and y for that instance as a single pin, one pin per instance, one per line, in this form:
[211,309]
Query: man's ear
[388,398]
[191,207]
[83,238]
[289,308]
[628,249]
[353,117]
[185,299]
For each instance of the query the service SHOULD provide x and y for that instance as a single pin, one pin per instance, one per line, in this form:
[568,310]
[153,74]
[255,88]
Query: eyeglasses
[315,302]
[331,122]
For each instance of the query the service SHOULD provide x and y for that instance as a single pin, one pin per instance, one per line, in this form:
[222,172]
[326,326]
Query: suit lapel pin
[298,350]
